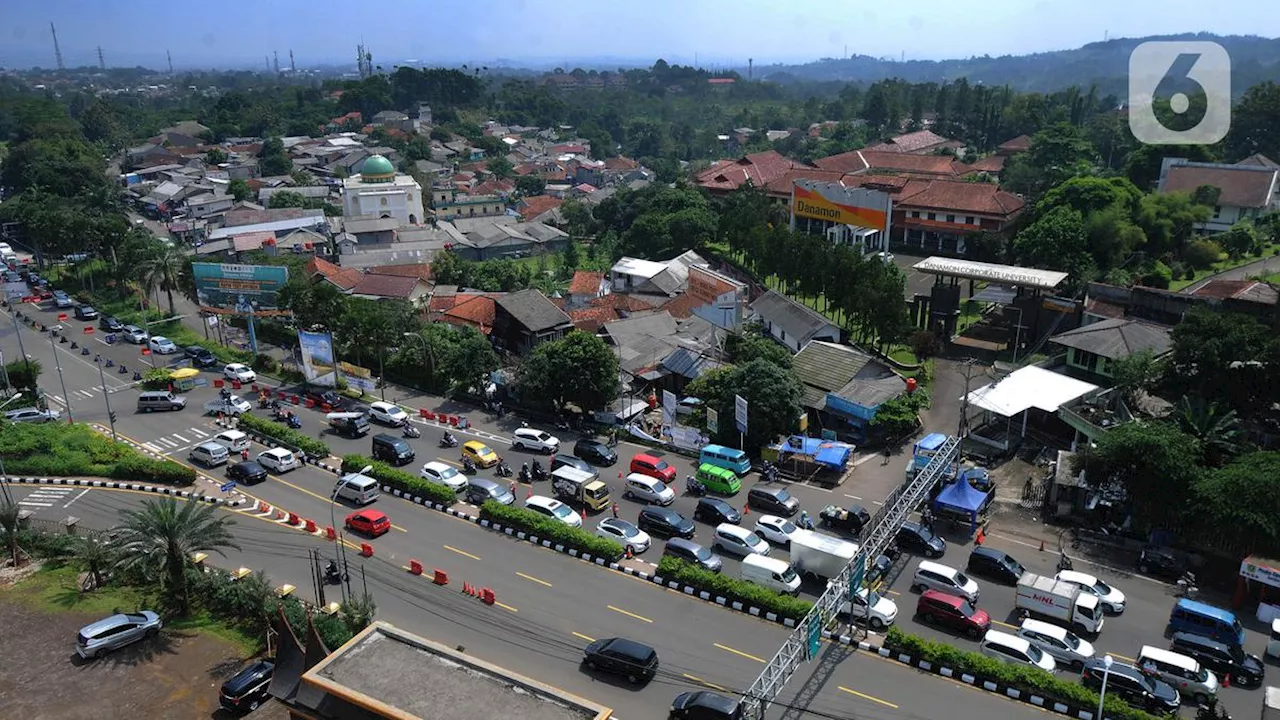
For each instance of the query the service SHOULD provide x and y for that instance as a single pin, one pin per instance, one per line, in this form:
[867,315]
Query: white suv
[388,413]
[553,509]
[536,440]
[444,474]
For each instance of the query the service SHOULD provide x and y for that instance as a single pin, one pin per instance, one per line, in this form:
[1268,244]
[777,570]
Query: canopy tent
[827,453]
[1029,387]
[961,497]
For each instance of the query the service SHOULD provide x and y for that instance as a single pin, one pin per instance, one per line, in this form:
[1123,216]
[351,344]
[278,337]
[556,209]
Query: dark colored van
[705,705]
[248,689]
[391,449]
[1224,660]
[996,564]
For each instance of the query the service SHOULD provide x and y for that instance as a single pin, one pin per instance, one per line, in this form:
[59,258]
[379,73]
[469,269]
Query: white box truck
[820,556]
[1051,599]
[1271,704]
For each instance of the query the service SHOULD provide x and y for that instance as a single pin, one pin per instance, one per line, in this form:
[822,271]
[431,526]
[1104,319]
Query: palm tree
[9,527]
[1217,431]
[94,557]
[162,266]
[161,537]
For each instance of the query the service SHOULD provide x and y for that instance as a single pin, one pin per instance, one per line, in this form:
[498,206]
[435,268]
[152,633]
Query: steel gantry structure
[802,644]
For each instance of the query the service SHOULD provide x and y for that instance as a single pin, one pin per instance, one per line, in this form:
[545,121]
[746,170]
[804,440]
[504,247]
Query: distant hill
[1105,64]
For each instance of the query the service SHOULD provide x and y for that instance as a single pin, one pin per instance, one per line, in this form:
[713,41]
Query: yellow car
[479,453]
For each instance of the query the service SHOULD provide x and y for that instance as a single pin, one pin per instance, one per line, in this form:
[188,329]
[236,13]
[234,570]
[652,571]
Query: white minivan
[233,440]
[770,573]
[209,454]
[936,576]
[1065,646]
[357,488]
[1180,671]
[1013,649]
[278,460]
[651,490]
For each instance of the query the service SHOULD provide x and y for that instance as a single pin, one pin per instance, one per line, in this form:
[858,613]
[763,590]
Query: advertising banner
[740,413]
[317,358]
[358,377]
[240,289]
[845,206]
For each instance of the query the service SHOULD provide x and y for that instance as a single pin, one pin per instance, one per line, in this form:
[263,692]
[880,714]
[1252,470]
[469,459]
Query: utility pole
[102,64]
[169,56]
[962,429]
[57,51]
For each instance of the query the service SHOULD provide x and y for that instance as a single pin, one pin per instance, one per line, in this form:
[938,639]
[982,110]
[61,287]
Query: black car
[995,564]
[326,397]
[714,511]
[563,460]
[247,472]
[773,500]
[920,540]
[595,451]
[665,522]
[110,324]
[1130,684]
[1245,670]
[705,705]
[199,357]
[86,312]
[635,661]
[248,689]
[1162,562]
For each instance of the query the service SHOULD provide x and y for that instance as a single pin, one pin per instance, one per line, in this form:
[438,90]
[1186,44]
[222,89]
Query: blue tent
[964,498]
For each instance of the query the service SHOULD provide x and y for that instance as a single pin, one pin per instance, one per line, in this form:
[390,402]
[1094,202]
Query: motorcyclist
[806,522]
[448,440]
[693,486]
[468,467]
[524,472]
[538,472]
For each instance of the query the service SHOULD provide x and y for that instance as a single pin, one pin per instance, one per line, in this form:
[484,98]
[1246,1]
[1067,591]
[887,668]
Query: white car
[1016,651]
[239,371]
[32,415]
[162,345]
[535,440]
[883,610]
[388,413]
[553,509]
[777,530]
[1065,646]
[279,460]
[444,474]
[650,490]
[232,405]
[739,541]
[1111,599]
[626,534]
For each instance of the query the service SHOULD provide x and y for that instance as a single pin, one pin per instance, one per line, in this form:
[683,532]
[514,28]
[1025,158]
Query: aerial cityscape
[502,361]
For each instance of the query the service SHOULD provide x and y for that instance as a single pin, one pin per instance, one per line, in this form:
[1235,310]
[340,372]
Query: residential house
[1017,145]
[920,142]
[393,120]
[372,286]
[473,311]
[1093,348]
[276,221]
[371,229]
[844,387]
[646,277]
[935,216]
[656,348]
[791,323]
[448,204]
[1167,307]
[889,162]
[1245,191]
[149,155]
[539,208]
[760,169]
[321,270]
[526,318]
[493,238]
[585,287]
[186,127]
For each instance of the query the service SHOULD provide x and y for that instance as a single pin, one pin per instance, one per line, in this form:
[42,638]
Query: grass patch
[246,645]
[58,449]
[903,354]
[1229,264]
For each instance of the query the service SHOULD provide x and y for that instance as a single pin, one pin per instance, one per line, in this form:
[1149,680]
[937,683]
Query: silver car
[98,638]
[32,415]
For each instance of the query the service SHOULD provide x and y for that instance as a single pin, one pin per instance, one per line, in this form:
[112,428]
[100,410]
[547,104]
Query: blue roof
[932,441]
[1214,612]
[833,455]
[826,452]
[962,496]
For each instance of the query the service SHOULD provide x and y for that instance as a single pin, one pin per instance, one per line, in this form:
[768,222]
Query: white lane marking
[168,442]
[58,399]
[865,458]
[198,432]
[153,448]
[877,502]
[181,438]
[855,497]
[77,497]
[34,504]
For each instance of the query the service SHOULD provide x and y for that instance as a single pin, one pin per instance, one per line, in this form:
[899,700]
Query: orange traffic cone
[584,514]
[1226,680]
[746,510]
[529,494]
[628,553]
[981,538]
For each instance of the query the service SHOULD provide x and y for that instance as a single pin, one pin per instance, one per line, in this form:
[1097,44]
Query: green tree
[10,527]
[287,199]
[93,556]
[1057,153]
[215,156]
[273,160]
[501,167]
[1239,240]
[1135,374]
[896,417]
[1239,504]
[1155,462]
[1217,430]
[579,369]
[1225,357]
[752,343]
[471,361]
[239,189]
[314,304]
[773,396]
[1057,241]
[529,185]
[1253,123]
[160,538]
[162,267]
[578,221]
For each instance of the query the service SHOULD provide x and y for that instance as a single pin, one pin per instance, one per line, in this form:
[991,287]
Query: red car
[957,613]
[369,522]
[653,466]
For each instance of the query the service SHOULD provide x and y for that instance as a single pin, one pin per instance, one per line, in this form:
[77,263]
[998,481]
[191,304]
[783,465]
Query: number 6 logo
[1180,74]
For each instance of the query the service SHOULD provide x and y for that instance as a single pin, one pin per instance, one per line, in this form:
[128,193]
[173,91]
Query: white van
[1183,673]
[1013,649]
[278,460]
[233,440]
[209,454]
[359,489]
[936,576]
[651,490]
[770,573]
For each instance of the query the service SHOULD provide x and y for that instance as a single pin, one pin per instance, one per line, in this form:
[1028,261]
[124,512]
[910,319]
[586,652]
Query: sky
[240,33]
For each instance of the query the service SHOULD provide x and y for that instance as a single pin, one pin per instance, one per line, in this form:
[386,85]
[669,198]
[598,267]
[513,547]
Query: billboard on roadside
[250,290]
[318,364]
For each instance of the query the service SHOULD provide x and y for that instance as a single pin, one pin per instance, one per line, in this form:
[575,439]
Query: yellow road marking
[534,579]
[864,696]
[894,592]
[460,552]
[1005,624]
[748,656]
[505,607]
[449,462]
[700,681]
[1123,657]
[630,614]
[584,637]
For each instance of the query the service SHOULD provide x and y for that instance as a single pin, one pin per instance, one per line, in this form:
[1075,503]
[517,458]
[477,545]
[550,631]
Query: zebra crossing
[46,497]
[173,442]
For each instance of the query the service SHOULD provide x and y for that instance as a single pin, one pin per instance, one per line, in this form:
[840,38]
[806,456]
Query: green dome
[377,167]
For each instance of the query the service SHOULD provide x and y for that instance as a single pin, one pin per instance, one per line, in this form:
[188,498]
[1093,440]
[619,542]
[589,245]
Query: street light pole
[4,477]
[17,329]
[61,380]
[1107,660]
[340,552]
[106,398]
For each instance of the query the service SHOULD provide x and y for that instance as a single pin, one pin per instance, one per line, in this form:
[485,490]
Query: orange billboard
[845,206]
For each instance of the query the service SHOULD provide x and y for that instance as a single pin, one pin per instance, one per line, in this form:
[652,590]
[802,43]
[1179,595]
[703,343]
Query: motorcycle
[537,472]
[769,472]
[448,441]
[468,467]
[694,487]
[294,421]
[332,576]
[1064,563]
[524,474]
[503,469]
[1187,586]
[410,431]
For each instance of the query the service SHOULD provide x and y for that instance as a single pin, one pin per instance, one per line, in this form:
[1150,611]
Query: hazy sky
[241,32]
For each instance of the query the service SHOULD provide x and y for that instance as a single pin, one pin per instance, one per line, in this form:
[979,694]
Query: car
[705,705]
[247,689]
[1130,684]
[239,372]
[1016,651]
[232,405]
[112,633]
[664,522]
[595,451]
[200,357]
[1244,669]
[443,474]
[368,522]
[883,611]
[323,396]
[775,529]
[635,661]
[773,500]
[693,553]
[986,561]
[162,345]
[61,300]
[625,534]
[553,509]
[917,539]
[951,611]
[32,415]
[479,453]
[86,312]
[716,511]
[1111,599]
[110,324]
[247,472]
[388,413]
[12,276]
[639,486]
[1065,646]
[527,438]
[654,466]
[738,540]
[278,460]
[562,460]
[134,334]
[930,575]
[1162,562]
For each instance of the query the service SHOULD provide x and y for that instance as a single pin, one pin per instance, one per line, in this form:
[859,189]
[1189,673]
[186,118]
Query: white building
[380,192]
[1246,191]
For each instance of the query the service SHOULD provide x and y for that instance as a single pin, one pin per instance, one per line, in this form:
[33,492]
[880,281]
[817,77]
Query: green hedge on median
[1027,679]
[546,528]
[748,593]
[74,450]
[284,435]
[400,480]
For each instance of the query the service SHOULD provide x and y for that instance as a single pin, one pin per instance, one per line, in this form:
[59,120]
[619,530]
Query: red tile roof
[622,301]
[418,270]
[1238,289]
[532,207]
[475,311]
[913,142]
[1022,143]
[760,168]
[1244,186]
[586,283]
[591,319]
[620,163]
[862,160]
[682,306]
[493,186]
[343,278]
[959,196]
[990,164]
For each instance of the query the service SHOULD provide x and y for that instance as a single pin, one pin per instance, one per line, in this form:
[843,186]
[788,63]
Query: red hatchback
[368,522]
[956,613]
[653,466]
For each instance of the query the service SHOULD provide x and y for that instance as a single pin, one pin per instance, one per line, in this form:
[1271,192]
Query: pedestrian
[615,509]
[244,454]
[888,455]
[513,488]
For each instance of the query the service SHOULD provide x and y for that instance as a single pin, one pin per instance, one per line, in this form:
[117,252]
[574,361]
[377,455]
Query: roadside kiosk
[184,379]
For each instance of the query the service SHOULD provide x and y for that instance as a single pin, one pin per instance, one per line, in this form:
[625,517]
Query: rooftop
[1117,338]
[828,368]
[533,310]
[1006,274]
[636,267]
[1248,186]
[796,319]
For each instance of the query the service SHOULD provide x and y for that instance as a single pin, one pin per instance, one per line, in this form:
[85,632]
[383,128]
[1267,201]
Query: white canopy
[1029,387]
